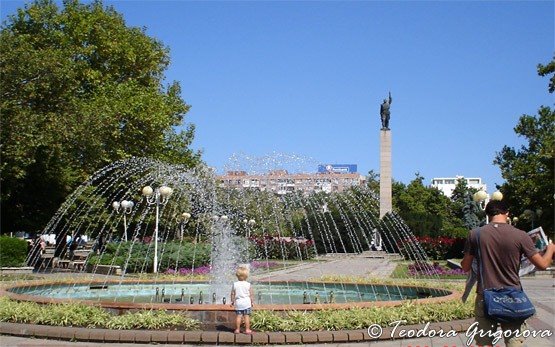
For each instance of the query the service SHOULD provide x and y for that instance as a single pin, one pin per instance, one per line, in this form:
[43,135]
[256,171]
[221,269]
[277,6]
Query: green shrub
[138,257]
[269,247]
[79,315]
[13,251]
[360,318]
[153,320]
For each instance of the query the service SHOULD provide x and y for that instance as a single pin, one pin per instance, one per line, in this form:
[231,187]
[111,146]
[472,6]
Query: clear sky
[307,77]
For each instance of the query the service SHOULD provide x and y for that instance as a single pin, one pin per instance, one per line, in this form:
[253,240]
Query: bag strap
[480,257]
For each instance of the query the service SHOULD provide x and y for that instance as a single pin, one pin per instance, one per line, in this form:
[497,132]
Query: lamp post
[249,224]
[532,216]
[185,216]
[126,207]
[481,198]
[159,196]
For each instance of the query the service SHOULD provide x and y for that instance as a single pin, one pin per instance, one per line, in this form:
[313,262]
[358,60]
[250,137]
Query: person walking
[501,249]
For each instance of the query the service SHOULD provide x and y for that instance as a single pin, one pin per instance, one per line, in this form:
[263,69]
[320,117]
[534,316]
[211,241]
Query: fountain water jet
[289,230]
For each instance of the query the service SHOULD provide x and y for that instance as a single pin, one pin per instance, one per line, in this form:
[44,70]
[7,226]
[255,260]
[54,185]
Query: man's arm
[390,99]
[466,263]
[542,262]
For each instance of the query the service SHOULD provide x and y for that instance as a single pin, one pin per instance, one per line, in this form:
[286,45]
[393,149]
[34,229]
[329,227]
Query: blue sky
[307,78]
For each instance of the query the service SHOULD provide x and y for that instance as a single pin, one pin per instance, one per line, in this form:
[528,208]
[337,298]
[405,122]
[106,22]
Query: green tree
[549,69]
[463,205]
[79,89]
[425,209]
[529,171]
[373,182]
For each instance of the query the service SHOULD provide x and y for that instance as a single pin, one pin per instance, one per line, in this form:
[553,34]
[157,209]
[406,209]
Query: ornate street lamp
[185,216]
[124,207]
[532,216]
[159,196]
[248,225]
[481,198]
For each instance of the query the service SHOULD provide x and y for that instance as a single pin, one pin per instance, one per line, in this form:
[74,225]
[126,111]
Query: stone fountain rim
[125,306]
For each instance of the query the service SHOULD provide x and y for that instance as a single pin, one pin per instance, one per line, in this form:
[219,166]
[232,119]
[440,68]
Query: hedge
[13,251]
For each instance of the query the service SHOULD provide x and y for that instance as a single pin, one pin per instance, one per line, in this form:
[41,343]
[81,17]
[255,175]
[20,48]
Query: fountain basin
[119,297]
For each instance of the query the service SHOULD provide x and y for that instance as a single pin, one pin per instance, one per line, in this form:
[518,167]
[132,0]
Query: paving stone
[243,339]
[112,336]
[355,335]
[175,337]
[192,336]
[325,336]
[309,337]
[340,336]
[209,337]
[293,337]
[159,337]
[13,329]
[45,331]
[260,338]
[97,335]
[226,337]
[386,334]
[276,337]
[142,336]
[66,333]
[458,326]
[127,336]
[367,337]
[82,334]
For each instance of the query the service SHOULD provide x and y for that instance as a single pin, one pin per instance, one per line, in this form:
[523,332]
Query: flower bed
[426,269]
[205,270]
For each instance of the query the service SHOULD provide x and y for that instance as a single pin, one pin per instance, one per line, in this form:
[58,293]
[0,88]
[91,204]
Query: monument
[385,159]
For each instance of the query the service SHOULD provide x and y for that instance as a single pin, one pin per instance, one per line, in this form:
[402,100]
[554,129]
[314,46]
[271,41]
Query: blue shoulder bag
[507,304]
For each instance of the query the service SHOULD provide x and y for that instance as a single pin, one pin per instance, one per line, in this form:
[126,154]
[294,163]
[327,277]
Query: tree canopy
[425,209]
[79,89]
[529,170]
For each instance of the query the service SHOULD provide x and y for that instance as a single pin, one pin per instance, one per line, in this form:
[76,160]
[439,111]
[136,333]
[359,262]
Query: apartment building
[282,182]
[448,184]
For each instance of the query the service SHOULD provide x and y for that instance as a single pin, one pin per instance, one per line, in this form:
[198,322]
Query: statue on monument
[384,112]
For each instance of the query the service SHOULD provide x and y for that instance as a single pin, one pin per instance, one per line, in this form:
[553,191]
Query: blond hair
[242,273]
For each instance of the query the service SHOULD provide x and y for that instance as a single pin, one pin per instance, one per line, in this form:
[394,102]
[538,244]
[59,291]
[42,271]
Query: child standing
[242,298]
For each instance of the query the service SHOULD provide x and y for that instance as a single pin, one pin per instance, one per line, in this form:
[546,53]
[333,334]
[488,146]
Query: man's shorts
[245,312]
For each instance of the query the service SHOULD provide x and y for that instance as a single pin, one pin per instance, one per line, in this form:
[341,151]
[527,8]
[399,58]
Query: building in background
[448,184]
[331,178]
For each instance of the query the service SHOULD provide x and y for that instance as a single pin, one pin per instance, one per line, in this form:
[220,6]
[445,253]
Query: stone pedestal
[385,172]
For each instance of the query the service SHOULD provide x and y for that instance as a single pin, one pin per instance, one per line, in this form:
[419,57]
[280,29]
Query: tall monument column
[386,204]
[385,158]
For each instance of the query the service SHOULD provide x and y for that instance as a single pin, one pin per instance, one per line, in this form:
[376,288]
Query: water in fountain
[288,229]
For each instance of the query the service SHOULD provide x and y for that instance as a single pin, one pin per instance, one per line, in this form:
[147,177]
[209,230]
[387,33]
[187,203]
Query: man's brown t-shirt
[501,247]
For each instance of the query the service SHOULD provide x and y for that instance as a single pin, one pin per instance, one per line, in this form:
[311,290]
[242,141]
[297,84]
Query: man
[384,112]
[501,248]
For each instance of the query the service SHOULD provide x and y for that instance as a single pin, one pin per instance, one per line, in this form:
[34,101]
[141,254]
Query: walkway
[360,265]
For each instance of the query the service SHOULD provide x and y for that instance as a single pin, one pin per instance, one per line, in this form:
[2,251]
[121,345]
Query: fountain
[188,223]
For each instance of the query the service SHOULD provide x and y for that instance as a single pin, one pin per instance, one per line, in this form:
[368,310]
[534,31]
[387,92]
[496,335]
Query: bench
[47,260]
[64,264]
[77,265]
